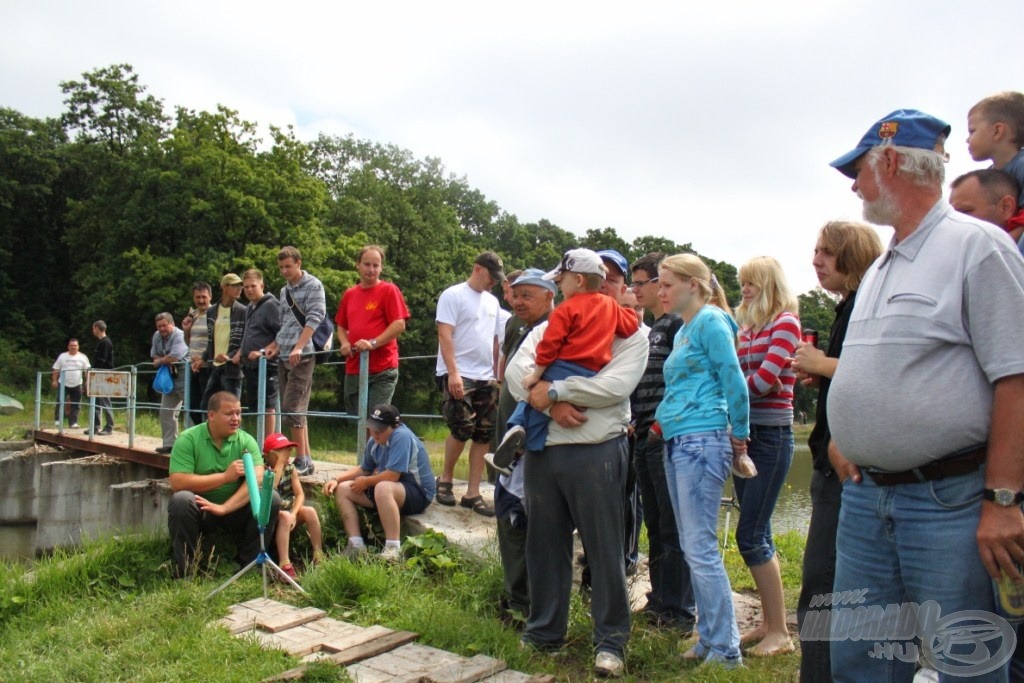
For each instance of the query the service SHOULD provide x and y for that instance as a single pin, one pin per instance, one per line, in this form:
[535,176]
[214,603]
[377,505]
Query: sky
[706,123]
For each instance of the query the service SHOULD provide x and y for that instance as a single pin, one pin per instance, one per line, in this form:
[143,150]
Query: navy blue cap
[618,259]
[904,128]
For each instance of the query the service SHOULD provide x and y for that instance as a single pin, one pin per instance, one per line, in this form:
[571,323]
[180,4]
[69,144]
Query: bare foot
[751,636]
[772,644]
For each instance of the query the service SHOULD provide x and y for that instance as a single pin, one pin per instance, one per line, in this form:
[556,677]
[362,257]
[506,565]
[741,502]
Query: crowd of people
[918,475]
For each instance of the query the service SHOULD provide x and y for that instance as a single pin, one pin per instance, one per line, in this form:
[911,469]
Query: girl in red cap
[277,451]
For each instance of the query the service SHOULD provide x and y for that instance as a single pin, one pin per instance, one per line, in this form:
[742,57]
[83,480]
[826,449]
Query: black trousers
[187,523]
[819,570]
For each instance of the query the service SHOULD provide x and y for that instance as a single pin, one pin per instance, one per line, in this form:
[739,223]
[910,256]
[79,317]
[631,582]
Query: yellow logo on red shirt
[371,306]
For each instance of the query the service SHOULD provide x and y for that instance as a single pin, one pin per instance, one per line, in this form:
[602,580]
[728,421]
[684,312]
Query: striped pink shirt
[762,357]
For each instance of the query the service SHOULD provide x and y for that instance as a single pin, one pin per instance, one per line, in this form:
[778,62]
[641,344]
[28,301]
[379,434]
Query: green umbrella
[9,406]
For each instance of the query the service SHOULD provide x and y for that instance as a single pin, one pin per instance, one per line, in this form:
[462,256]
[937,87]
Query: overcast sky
[708,123]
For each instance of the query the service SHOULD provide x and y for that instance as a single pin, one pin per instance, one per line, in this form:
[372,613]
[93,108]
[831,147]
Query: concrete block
[19,483]
[139,505]
[74,498]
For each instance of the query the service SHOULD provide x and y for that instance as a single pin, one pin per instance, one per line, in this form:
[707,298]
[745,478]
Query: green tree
[817,312]
[36,289]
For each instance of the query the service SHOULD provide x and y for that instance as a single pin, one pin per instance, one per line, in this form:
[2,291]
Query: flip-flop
[477,504]
[444,494]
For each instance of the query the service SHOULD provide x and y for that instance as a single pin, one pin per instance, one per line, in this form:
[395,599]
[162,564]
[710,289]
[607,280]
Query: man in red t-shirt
[370,317]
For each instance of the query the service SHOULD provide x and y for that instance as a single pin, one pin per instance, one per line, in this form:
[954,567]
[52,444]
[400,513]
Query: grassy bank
[111,612]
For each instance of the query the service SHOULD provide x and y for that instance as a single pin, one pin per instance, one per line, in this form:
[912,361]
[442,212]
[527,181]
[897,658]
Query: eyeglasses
[637,284]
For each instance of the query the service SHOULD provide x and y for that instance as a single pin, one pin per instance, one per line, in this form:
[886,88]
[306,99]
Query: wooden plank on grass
[377,646]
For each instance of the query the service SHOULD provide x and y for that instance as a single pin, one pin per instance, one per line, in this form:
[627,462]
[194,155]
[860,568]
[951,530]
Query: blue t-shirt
[403,453]
[704,385]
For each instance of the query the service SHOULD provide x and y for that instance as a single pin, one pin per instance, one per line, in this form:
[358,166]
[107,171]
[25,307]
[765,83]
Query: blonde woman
[705,395]
[769,334]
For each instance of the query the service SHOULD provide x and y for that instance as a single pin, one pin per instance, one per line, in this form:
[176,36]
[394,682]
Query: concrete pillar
[139,505]
[19,483]
[74,497]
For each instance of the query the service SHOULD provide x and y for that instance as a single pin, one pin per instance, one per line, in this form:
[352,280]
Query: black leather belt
[955,465]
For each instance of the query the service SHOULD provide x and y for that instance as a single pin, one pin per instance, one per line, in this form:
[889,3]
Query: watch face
[1005,497]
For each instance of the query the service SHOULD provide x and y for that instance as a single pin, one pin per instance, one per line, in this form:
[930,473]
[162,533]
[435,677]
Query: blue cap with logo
[535,276]
[903,128]
[616,258]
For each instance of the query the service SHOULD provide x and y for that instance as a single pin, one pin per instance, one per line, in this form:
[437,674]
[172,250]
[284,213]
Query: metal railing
[133,403]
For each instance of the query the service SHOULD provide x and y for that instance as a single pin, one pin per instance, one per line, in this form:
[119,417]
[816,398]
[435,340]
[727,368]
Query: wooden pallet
[371,654]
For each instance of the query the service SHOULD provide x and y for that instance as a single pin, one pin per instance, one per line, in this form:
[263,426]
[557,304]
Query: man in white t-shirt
[468,328]
[68,370]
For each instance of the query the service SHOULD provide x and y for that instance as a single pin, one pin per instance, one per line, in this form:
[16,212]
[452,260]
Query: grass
[110,611]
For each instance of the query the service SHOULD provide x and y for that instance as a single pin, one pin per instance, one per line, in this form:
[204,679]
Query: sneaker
[391,553]
[289,570]
[304,466]
[353,552]
[608,665]
[489,459]
[74,425]
[56,423]
[107,431]
[163,450]
[508,450]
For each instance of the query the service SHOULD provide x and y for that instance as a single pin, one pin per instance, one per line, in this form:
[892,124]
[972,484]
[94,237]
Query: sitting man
[394,478]
[207,460]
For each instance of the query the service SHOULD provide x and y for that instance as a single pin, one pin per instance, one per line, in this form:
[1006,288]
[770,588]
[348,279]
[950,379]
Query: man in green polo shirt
[208,480]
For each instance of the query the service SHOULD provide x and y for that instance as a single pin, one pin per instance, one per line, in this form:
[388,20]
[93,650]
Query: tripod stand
[260,503]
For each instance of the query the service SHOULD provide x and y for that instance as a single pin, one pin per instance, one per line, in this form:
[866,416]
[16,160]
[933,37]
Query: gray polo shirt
[937,320]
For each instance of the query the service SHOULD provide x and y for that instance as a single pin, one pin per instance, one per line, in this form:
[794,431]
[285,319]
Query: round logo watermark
[959,643]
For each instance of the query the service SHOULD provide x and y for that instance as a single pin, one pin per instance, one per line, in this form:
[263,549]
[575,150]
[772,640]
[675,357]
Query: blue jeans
[908,543]
[696,466]
[771,449]
[671,596]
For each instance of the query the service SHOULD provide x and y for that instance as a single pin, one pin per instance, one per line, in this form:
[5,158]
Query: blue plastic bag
[163,382]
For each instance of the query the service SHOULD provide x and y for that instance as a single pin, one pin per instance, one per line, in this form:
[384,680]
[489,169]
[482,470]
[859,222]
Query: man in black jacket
[103,359]
[262,322]
[225,324]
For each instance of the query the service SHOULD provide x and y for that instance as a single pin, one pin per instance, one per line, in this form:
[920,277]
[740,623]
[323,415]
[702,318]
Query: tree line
[113,209]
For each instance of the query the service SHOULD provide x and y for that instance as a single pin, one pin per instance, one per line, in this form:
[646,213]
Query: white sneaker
[608,665]
[508,450]
[489,459]
[391,553]
[75,426]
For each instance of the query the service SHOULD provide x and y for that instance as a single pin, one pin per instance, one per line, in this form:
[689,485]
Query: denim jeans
[696,466]
[908,543]
[771,449]
[671,596]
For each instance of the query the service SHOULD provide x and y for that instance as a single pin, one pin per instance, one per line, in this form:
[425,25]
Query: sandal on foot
[444,494]
[478,505]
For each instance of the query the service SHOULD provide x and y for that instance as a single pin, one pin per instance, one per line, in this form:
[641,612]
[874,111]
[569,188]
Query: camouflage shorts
[473,417]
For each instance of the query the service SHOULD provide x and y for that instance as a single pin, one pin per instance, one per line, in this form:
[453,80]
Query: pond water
[793,512]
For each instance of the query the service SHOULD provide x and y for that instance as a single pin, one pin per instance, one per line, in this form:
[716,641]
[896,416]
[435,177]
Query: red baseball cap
[275,441]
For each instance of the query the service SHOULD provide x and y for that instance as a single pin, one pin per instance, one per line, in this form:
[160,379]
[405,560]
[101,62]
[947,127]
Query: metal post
[364,391]
[39,398]
[60,402]
[261,401]
[131,406]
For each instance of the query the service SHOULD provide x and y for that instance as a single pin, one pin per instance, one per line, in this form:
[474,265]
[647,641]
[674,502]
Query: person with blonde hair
[769,333]
[843,253]
[705,394]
